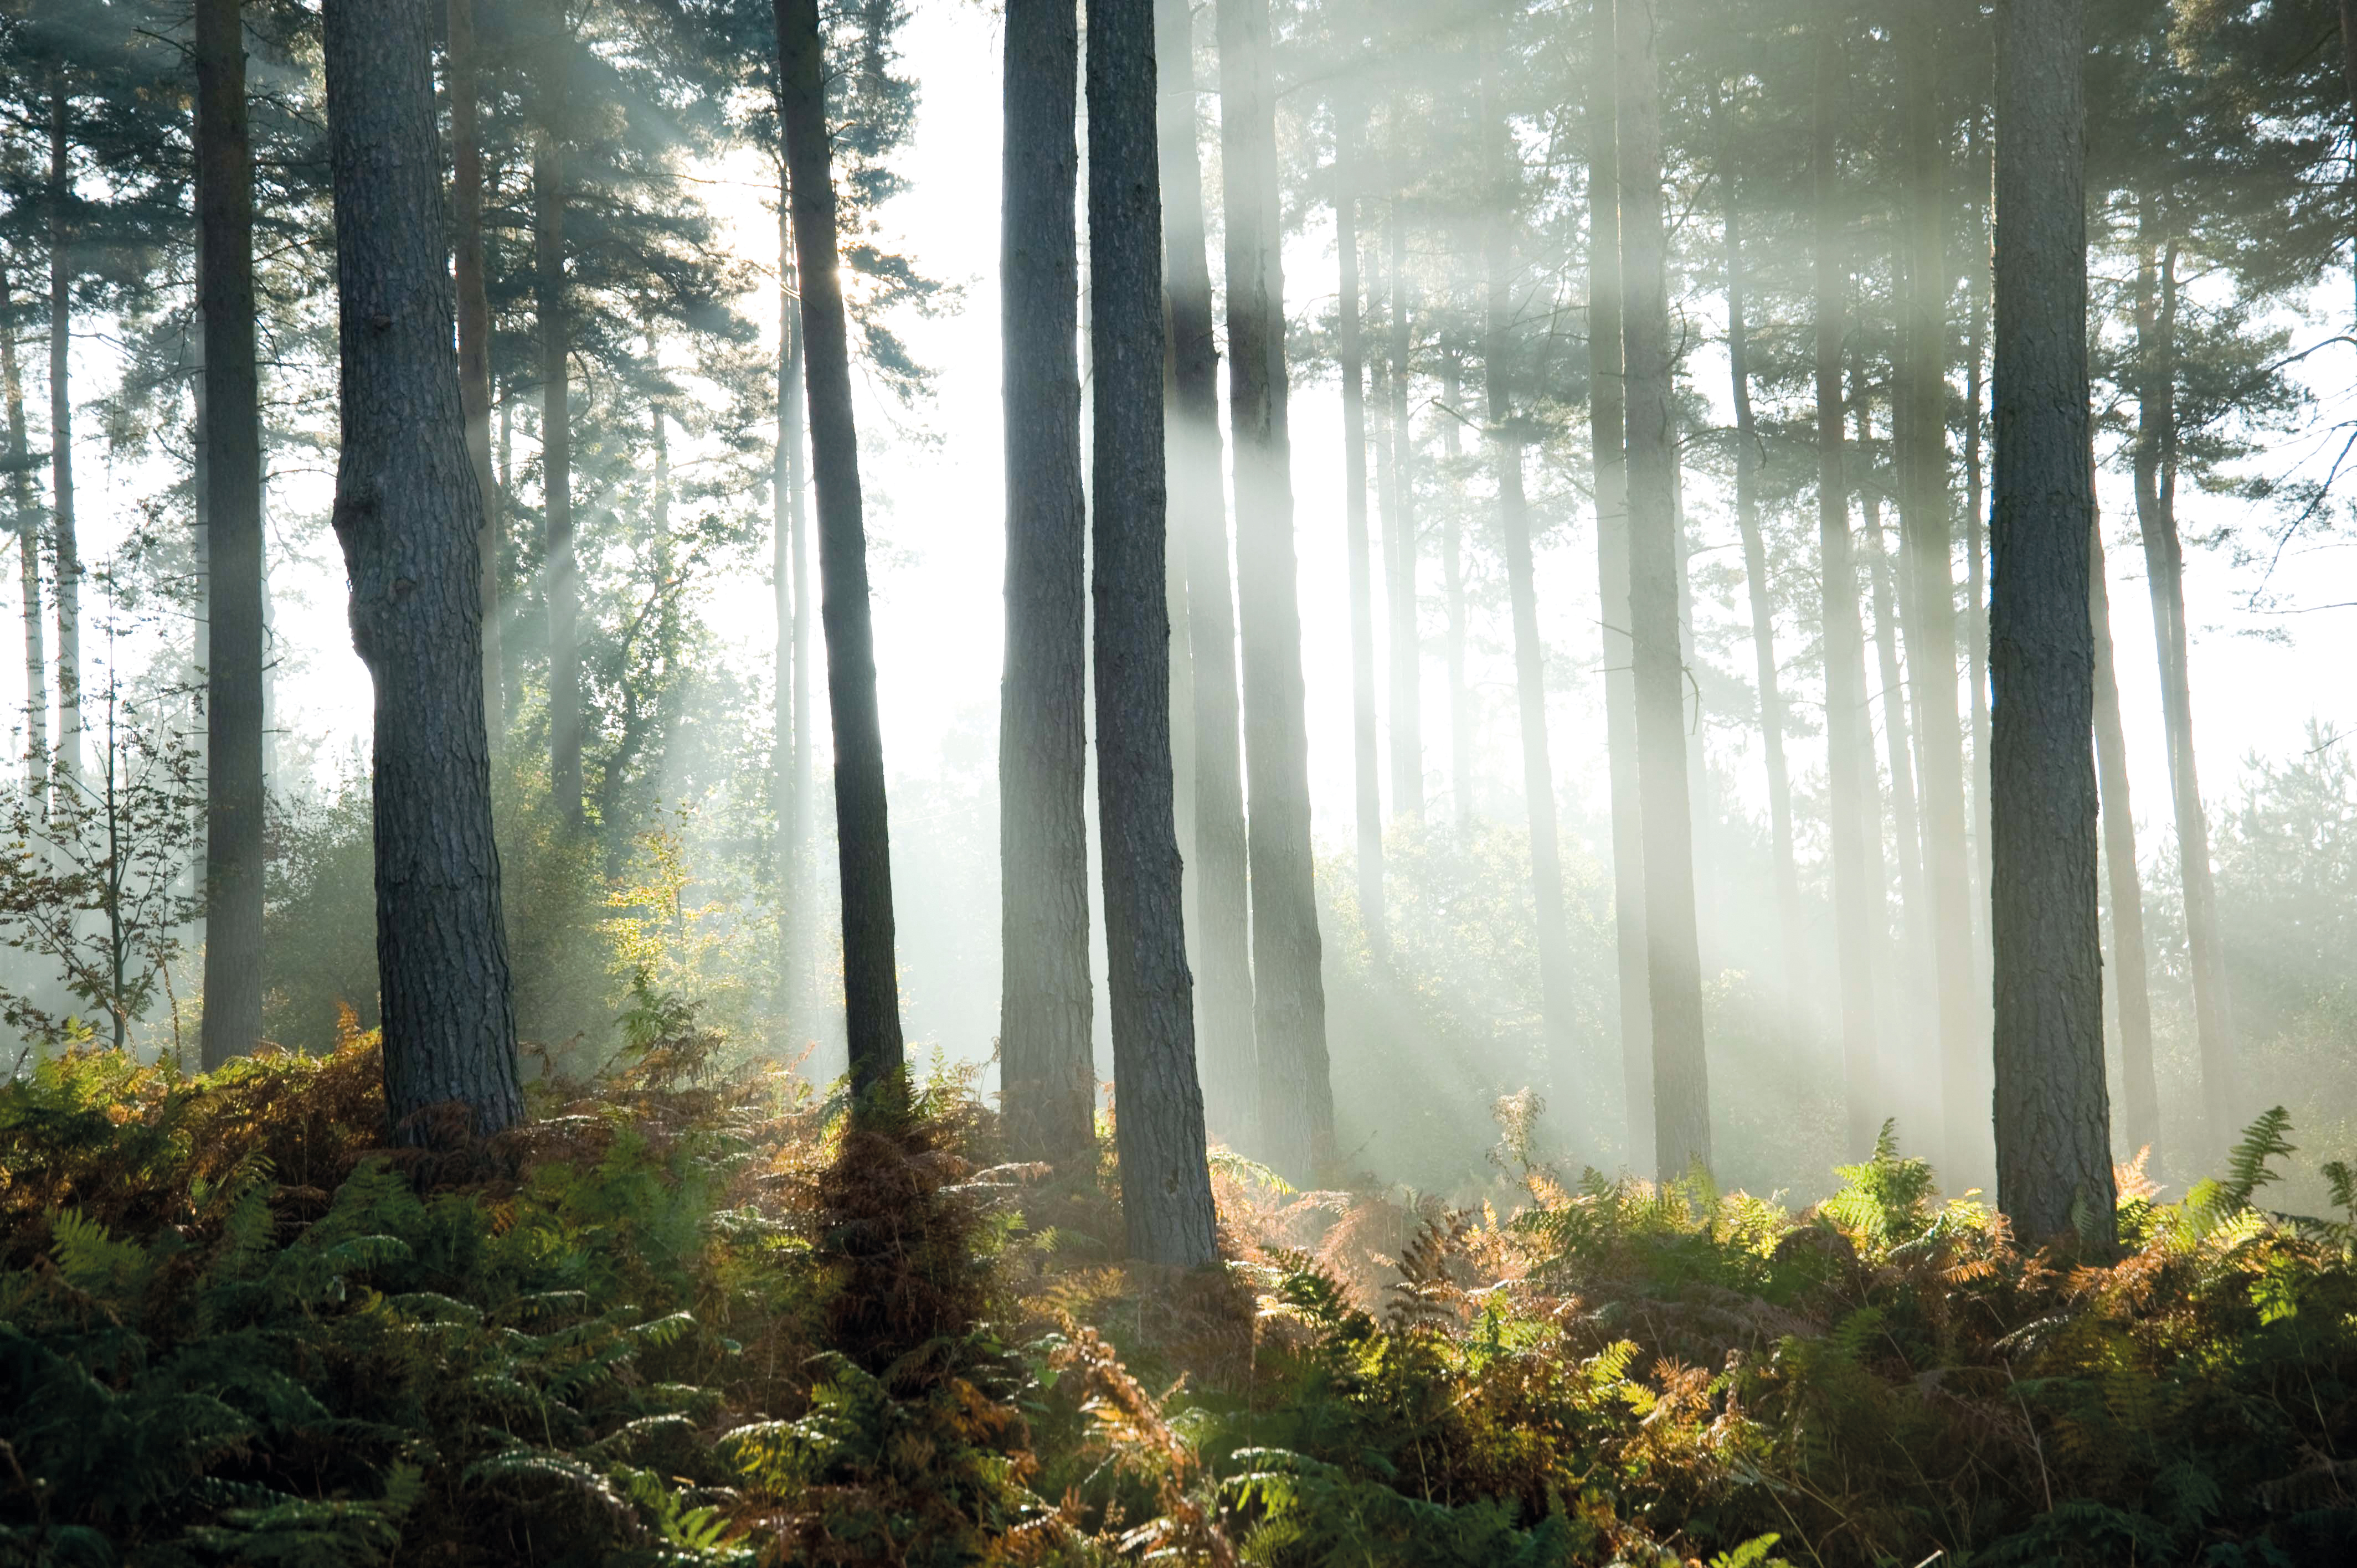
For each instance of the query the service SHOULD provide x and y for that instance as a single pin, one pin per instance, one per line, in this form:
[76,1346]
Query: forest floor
[688,1317]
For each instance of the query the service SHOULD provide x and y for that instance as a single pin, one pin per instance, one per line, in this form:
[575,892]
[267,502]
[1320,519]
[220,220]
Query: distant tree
[409,515]
[559,564]
[464,76]
[1350,132]
[2131,986]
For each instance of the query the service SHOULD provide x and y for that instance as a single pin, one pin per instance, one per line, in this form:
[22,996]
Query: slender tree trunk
[1857,893]
[1606,416]
[62,475]
[1365,746]
[562,578]
[1898,745]
[232,446]
[871,985]
[475,329]
[790,763]
[1452,588]
[1401,548]
[1976,545]
[1793,985]
[2164,555]
[1223,993]
[1296,1099]
[26,509]
[2053,1115]
[408,514]
[1928,540]
[1046,1009]
[1681,1082]
[1166,1185]
[2130,979]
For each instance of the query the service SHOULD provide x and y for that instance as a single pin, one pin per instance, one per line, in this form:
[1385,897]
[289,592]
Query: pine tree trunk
[790,700]
[1452,588]
[563,584]
[1607,414]
[474,330]
[1046,1008]
[408,514]
[26,524]
[1296,1098]
[2156,492]
[232,447]
[62,538]
[2052,1113]
[1907,836]
[1928,540]
[2130,977]
[1674,967]
[1852,810]
[871,987]
[1401,548]
[1166,1185]
[1793,984]
[1223,991]
[1975,516]
[1350,125]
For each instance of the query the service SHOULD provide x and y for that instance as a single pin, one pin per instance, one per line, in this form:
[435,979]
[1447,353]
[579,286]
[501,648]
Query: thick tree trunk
[1792,985]
[2164,555]
[26,523]
[1351,125]
[2130,978]
[871,985]
[562,584]
[1851,792]
[2052,1113]
[408,513]
[1047,1009]
[1166,1185]
[1928,539]
[474,330]
[1606,417]
[1680,1079]
[1402,549]
[1452,588]
[233,448]
[1296,1097]
[1223,991]
[62,538]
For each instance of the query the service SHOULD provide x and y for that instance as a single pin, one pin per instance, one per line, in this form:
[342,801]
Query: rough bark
[1296,1097]
[1165,1185]
[1402,548]
[62,537]
[2052,1112]
[563,584]
[475,329]
[871,986]
[1223,991]
[1350,349]
[2131,984]
[2164,555]
[26,521]
[1608,420]
[1851,792]
[1674,968]
[233,448]
[408,513]
[1047,1007]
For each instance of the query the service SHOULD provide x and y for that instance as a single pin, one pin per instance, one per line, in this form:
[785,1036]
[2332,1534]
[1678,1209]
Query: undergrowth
[695,1315]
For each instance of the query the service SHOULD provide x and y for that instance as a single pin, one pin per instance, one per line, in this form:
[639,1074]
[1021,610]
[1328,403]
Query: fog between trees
[1548,547]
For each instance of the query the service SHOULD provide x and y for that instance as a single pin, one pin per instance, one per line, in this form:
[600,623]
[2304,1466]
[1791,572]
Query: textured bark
[25,522]
[1296,1097]
[1166,1185]
[1680,1080]
[1046,1008]
[1607,424]
[562,582]
[1452,588]
[1928,537]
[1350,349]
[1223,990]
[2164,555]
[871,985]
[2052,1114]
[1793,982]
[474,330]
[2130,977]
[1851,792]
[407,513]
[1402,549]
[62,539]
[232,435]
